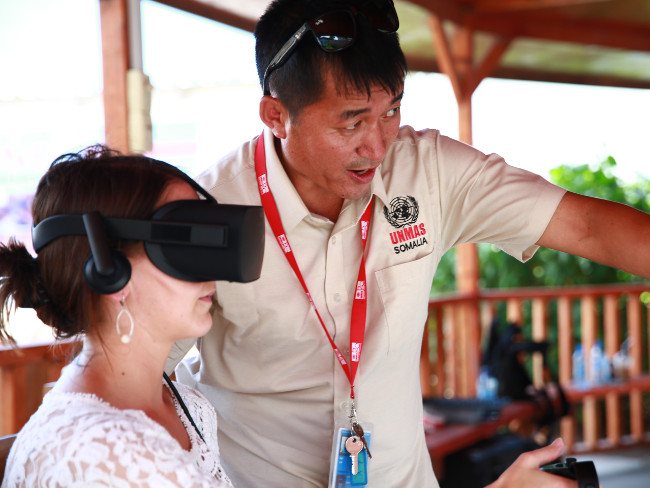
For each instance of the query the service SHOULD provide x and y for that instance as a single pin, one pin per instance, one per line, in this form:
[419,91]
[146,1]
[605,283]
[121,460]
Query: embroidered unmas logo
[402,213]
[264,186]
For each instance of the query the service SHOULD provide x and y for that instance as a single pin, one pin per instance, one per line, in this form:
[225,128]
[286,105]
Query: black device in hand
[584,472]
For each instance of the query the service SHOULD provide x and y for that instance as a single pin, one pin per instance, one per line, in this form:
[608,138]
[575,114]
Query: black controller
[584,472]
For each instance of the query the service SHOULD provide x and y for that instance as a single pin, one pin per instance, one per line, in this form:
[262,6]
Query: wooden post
[463,54]
[456,61]
[611,328]
[565,346]
[540,333]
[455,354]
[115,56]
[589,338]
[441,359]
[515,310]
[636,353]
[456,58]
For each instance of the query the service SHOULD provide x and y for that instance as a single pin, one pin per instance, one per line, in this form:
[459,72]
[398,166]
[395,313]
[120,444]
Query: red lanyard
[359,303]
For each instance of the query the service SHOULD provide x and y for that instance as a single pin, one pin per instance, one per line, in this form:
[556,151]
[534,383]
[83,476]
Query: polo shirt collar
[378,189]
[290,205]
[352,210]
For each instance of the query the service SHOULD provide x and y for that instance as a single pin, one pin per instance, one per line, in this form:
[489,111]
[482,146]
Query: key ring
[353,413]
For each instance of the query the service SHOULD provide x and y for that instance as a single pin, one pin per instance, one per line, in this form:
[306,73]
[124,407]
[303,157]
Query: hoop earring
[125,337]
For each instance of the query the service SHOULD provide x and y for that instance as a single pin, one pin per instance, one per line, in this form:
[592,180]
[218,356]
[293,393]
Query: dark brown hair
[96,178]
[375,58]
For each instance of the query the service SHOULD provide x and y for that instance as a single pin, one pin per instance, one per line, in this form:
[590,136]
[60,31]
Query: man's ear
[274,115]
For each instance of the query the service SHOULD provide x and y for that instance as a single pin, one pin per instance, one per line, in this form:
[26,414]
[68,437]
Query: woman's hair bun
[20,276]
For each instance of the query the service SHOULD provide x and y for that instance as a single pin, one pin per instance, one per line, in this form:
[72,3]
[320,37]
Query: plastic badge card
[341,466]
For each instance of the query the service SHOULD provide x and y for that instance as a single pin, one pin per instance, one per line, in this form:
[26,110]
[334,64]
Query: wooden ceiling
[599,42]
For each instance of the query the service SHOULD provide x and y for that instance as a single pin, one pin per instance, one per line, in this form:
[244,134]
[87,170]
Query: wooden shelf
[575,393]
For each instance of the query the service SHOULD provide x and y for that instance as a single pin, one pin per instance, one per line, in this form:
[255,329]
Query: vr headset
[192,240]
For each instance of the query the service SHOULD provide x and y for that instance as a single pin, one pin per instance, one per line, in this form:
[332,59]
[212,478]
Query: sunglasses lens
[334,43]
[334,31]
[382,15]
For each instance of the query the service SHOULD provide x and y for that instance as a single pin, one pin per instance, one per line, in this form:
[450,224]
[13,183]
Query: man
[360,212]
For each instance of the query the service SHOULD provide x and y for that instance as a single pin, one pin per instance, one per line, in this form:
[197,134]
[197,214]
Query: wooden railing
[24,372]
[604,416]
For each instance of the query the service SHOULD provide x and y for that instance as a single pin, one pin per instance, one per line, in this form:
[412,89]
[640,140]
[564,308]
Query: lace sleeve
[81,443]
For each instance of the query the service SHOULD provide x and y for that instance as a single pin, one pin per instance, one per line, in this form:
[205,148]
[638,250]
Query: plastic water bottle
[596,360]
[481,384]
[486,386]
[621,365]
[605,370]
[578,360]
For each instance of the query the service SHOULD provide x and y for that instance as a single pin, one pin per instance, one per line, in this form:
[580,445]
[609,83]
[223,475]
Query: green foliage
[549,267]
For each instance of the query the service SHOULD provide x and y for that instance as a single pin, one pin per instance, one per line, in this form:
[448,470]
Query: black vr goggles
[192,240]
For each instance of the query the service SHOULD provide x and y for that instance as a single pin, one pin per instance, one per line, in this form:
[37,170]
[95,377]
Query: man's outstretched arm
[600,230]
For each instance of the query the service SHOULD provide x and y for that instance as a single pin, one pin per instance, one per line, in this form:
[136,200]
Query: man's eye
[392,112]
[353,126]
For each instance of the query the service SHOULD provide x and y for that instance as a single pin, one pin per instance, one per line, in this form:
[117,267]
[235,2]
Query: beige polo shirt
[266,364]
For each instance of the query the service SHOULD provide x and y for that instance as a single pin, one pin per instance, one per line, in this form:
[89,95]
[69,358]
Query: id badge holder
[341,462]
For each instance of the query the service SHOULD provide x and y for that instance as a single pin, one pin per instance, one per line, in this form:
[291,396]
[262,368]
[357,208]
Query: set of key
[358,431]
[355,444]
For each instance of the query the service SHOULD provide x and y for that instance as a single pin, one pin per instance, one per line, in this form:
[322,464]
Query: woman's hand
[525,472]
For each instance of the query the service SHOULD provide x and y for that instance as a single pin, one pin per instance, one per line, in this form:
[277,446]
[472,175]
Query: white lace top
[77,439]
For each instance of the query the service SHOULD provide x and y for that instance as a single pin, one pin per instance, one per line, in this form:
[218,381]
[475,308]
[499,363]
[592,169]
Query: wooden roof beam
[550,27]
[444,9]
[212,12]
[484,6]
[417,63]
[510,23]
[457,59]
[489,63]
[445,56]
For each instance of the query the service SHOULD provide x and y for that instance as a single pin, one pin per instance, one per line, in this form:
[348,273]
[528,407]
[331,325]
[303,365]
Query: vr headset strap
[159,231]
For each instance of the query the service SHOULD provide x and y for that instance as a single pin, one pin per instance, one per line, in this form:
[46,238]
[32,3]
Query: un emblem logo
[402,211]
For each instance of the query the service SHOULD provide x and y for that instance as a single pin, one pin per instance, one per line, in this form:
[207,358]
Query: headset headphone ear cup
[113,282]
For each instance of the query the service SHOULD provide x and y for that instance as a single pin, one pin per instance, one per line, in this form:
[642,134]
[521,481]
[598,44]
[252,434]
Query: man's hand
[525,472]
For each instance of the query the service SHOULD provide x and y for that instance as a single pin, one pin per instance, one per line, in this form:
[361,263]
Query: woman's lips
[207,298]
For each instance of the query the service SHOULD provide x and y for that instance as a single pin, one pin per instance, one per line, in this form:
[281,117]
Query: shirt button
[337,297]
[333,240]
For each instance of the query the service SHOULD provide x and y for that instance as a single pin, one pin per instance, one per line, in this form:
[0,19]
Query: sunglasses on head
[337,30]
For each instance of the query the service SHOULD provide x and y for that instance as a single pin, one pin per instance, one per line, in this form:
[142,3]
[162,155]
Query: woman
[110,420]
